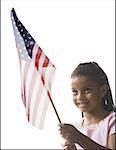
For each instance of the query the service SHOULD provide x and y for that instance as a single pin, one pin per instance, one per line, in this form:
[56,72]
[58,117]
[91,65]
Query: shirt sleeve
[112,124]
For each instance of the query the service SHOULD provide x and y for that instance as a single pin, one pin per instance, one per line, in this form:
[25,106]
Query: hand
[69,132]
[69,146]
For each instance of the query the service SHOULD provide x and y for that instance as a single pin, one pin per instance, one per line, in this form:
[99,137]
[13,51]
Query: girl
[92,95]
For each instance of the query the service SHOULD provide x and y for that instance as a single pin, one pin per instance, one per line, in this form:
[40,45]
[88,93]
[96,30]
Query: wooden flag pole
[55,111]
[54,107]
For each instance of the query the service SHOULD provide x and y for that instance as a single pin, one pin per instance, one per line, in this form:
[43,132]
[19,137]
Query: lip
[82,104]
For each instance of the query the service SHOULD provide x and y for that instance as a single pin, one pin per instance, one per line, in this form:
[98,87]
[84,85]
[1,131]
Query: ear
[103,90]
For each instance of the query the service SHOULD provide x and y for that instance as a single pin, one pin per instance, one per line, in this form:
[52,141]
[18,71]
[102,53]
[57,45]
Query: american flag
[37,73]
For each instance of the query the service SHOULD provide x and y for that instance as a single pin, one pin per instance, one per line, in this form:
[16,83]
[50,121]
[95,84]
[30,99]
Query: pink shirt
[99,132]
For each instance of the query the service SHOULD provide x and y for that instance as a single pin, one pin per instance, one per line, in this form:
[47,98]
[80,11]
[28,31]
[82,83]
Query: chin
[84,110]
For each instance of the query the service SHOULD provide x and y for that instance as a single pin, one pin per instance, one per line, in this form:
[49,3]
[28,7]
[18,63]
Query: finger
[67,142]
[63,133]
[63,128]
[69,147]
[65,147]
[66,137]
[66,126]
[61,125]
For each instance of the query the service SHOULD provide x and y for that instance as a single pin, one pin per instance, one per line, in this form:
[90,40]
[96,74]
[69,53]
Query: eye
[87,90]
[74,91]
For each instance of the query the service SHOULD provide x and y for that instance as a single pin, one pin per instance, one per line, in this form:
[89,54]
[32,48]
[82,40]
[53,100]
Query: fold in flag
[37,73]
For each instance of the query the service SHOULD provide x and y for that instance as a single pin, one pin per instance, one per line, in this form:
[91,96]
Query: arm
[112,141]
[70,133]
[87,143]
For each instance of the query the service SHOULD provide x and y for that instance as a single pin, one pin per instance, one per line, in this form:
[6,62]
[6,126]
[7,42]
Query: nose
[79,97]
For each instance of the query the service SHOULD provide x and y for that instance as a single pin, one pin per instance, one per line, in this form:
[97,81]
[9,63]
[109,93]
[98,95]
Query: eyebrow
[90,86]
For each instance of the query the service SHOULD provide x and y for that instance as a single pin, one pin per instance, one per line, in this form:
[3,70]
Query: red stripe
[43,81]
[37,57]
[46,61]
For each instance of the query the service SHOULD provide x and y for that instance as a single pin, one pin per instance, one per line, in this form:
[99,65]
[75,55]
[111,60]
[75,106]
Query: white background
[69,32]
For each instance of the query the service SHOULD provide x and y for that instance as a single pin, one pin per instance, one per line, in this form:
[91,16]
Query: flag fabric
[37,73]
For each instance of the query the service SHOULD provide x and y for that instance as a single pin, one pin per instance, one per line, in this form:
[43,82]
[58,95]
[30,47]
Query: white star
[22,43]
[12,17]
[31,43]
[18,33]
[16,28]
[27,45]
[29,50]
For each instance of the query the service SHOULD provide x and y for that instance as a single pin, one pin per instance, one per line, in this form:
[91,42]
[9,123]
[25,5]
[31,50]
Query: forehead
[82,81]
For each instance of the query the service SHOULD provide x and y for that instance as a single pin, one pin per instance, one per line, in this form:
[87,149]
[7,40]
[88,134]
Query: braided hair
[93,70]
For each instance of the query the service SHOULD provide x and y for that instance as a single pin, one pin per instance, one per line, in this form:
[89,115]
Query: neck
[94,117]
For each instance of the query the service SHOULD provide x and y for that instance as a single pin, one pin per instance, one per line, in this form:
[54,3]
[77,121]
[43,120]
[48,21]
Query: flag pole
[55,111]
[54,108]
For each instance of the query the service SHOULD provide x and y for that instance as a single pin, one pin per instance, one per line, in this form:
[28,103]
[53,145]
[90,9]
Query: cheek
[89,96]
[74,99]
[94,97]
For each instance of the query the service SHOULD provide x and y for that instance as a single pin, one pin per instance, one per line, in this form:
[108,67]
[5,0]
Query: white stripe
[44,99]
[36,104]
[42,119]
[30,72]
[31,69]
[30,75]
[28,79]
[35,49]
[41,61]
[43,115]
[38,83]
[48,87]
[23,63]
[48,79]
[25,73]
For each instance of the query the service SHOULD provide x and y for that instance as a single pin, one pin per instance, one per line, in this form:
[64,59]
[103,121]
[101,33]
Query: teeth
[82,104]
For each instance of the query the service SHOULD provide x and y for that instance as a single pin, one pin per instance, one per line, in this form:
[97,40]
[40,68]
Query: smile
[82,104]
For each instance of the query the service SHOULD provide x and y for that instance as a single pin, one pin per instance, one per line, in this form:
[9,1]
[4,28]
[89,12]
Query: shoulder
[112,114]
[111,118]
[110,122]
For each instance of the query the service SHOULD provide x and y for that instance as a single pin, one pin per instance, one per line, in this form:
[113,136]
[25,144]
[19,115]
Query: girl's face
[86,93]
